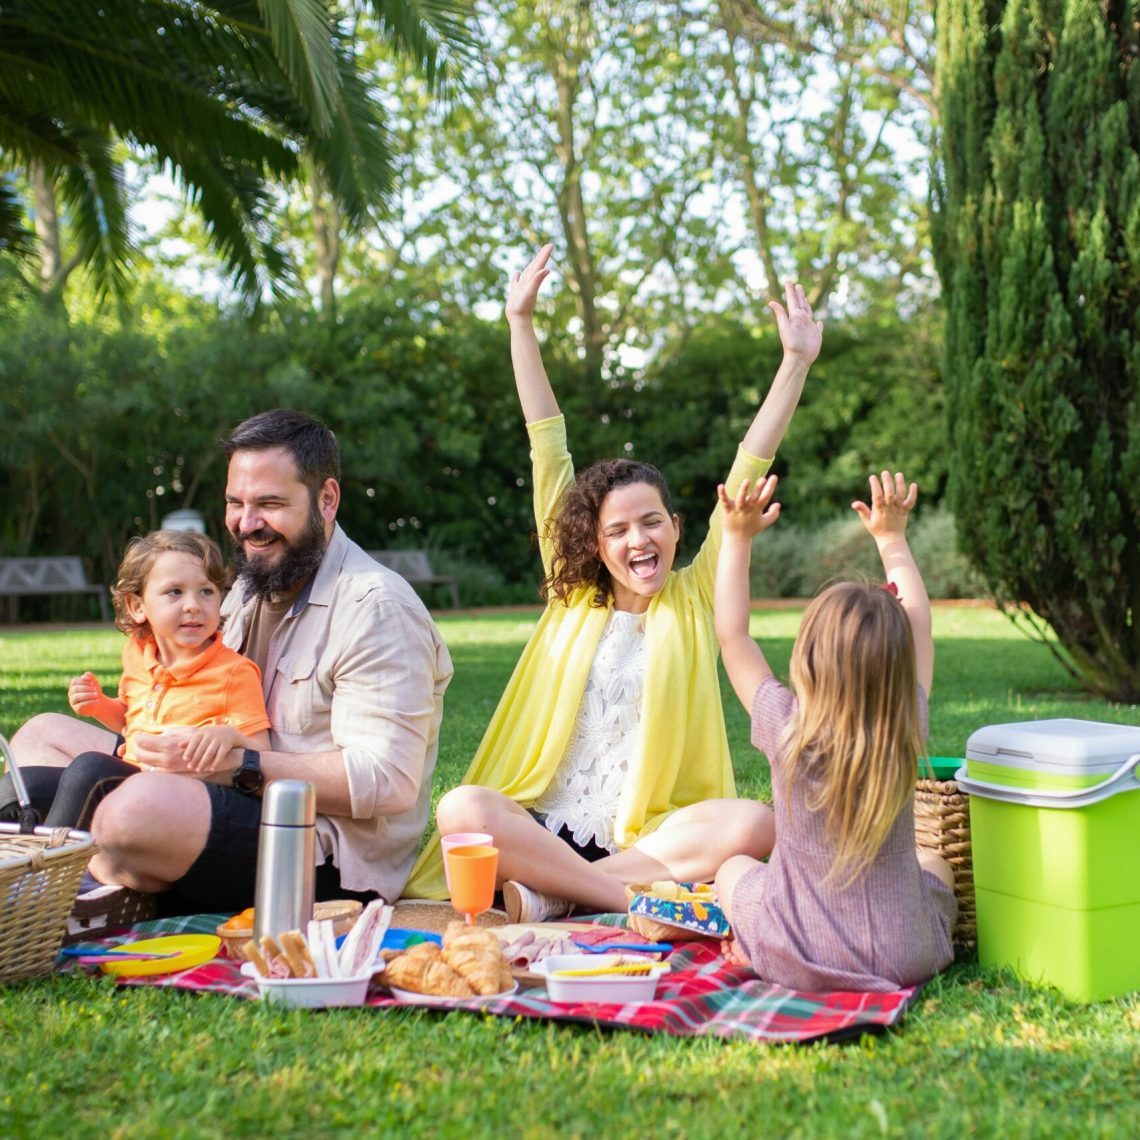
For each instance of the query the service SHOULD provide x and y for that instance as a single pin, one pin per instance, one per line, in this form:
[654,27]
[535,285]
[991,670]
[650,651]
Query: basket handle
[1044,797]
[27,815]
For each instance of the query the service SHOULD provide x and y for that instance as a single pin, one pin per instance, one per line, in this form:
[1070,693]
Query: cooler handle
[1043,797]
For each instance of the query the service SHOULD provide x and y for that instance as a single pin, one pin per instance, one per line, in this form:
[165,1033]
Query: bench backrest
[41,575]
[410,564]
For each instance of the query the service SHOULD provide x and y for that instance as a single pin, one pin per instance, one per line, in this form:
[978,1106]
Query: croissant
[423,971]
[477,955]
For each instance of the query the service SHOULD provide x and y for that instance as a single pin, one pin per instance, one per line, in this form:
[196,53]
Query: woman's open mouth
[643,565]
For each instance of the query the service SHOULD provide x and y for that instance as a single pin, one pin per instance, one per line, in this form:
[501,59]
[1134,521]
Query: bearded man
[353,670]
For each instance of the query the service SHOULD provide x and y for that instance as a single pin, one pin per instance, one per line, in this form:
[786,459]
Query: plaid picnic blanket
[701,996]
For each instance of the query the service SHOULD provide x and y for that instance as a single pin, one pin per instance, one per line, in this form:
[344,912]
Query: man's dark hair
[312,445]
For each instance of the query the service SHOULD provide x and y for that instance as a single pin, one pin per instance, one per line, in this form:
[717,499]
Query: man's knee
[146,806]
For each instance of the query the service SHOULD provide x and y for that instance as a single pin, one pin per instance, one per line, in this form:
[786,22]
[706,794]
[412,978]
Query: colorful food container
[1055,827]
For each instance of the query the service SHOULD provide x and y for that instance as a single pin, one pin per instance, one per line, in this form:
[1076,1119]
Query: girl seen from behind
[845,902]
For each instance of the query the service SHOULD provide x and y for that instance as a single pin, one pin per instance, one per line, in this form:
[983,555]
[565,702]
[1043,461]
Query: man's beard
[299,559]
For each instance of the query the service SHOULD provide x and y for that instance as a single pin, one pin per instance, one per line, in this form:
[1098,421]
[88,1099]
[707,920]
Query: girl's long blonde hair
[853,672]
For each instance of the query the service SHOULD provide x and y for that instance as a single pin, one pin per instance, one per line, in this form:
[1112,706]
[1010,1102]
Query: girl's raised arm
[535,393]
[744,517]
[886,519]
[801,335]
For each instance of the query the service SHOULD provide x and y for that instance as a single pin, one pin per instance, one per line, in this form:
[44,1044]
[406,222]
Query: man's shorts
[224,876]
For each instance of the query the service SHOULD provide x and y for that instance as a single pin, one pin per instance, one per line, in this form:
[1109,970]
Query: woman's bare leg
[693,843]
[528,853]
[689,846]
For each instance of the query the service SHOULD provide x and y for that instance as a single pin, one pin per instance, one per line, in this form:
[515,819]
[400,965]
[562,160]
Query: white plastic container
[619,989]
[315,993]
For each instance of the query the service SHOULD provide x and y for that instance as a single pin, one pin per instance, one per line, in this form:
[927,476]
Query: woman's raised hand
[891,503]
[751,510]
[524,287]
[800,334]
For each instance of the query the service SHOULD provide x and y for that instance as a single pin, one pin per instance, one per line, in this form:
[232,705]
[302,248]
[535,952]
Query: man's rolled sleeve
[383,707]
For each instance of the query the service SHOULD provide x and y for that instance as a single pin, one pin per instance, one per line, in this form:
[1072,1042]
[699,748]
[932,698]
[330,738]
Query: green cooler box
[1055,828]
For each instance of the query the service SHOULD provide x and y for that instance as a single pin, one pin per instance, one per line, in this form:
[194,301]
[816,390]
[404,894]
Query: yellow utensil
[602,971]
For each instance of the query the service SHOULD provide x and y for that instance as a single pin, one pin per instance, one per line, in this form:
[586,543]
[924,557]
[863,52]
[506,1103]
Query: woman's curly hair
[574,530]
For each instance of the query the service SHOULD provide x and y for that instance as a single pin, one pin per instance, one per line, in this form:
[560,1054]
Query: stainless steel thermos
[286,858]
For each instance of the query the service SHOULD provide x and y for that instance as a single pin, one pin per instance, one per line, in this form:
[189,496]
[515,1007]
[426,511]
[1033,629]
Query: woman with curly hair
[606,761]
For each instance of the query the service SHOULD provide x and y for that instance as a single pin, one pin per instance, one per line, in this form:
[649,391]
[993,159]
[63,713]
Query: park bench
[36,577]
[415,566]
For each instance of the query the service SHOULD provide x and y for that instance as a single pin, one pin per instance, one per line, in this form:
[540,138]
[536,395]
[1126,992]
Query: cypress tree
[1036,205]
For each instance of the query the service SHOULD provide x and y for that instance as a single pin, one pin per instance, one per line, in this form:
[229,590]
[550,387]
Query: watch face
[249,778]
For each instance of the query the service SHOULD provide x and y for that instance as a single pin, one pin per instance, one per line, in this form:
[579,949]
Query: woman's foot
[523,904]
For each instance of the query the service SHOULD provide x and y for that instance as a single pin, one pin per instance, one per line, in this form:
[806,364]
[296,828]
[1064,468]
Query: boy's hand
[752,510]
[800,334]
[207,749]
[83,694]
[523,293]
[891,504]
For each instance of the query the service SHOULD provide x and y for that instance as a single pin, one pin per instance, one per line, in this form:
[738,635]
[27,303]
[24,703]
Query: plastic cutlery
[605,948]
[119,955]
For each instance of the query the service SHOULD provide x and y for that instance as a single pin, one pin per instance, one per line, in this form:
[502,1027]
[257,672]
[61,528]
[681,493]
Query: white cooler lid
[1065,746]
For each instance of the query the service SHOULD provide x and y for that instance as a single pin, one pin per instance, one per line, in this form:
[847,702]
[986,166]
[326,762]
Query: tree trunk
[326,239]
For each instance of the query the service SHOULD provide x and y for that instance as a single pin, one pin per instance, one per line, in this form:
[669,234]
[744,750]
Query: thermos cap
[289,803]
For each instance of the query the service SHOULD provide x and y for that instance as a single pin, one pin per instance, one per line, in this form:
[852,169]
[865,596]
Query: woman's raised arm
[535,393]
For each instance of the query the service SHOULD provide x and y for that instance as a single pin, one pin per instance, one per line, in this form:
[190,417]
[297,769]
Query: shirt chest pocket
[294,696]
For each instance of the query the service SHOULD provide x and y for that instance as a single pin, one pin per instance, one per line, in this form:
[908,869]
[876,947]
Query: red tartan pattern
[701,996]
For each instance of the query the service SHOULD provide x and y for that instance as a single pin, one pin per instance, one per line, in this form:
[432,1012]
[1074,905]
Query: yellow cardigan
[682,755]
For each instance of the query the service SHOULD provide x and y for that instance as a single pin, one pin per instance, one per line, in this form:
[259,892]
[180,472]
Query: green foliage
[1037,196]
[795,561]
[229,98]
[120,422]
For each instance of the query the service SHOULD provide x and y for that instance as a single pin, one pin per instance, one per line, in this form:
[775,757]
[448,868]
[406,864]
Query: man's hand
[200,752]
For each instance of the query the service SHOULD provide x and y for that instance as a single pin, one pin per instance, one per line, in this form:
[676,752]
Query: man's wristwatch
[249,779]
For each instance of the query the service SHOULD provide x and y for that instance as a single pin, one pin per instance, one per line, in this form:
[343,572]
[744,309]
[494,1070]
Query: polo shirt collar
[183,669]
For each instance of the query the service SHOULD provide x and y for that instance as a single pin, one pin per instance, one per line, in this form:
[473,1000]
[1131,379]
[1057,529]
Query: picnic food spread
[315,954]
[470,963]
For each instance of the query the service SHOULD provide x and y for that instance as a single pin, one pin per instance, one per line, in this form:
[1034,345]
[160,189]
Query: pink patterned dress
[890,928]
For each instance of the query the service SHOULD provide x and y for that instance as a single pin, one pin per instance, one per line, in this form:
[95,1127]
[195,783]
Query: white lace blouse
[583,796]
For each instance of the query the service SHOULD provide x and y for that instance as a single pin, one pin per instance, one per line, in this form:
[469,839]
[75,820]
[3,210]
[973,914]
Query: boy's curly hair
[574,530]
[139,559]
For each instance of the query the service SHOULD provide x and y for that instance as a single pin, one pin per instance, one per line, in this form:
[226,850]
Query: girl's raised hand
[891,504]
[751,510]
[800,334]
[523,292]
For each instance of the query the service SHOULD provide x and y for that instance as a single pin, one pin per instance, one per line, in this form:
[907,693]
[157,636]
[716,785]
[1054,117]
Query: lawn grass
[981,1053]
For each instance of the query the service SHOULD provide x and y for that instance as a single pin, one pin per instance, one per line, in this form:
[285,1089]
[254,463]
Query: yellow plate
[188,950]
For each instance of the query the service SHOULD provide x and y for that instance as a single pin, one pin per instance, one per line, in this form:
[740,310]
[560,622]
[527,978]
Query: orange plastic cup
[471,871]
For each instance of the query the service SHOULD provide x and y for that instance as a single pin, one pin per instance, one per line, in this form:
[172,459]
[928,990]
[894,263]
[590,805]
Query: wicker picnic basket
[40,873]
[942,827]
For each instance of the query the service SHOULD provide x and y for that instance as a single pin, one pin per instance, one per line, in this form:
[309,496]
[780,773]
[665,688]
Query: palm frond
[299,33]
[94,194]
[435,35]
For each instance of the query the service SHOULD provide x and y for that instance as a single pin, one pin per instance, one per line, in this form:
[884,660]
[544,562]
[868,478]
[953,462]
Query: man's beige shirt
[358,665]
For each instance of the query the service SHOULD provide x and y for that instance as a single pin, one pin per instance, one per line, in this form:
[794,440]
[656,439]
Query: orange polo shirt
[219,686]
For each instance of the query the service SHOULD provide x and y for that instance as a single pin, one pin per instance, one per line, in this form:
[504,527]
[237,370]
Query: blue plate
[400,939]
